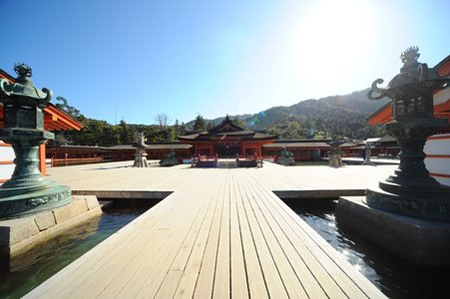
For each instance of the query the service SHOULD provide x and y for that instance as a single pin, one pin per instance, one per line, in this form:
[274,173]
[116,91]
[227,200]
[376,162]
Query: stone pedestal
[420,241]
[170,159]
[335,160]
[411,190]
[286,161]
[20,235]
[140,158]
[28,191]
[367,160]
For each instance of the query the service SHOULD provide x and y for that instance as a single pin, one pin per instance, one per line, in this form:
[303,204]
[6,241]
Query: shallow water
[32,269]
[395,277]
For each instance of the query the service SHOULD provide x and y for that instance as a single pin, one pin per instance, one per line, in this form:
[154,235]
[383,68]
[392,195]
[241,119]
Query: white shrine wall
[7,157]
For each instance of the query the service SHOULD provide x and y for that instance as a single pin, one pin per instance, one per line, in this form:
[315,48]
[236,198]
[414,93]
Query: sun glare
[333,36]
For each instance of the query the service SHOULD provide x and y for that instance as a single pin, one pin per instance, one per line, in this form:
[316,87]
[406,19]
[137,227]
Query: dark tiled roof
[121,147]
[244,134]
[168,146]
[77,148]
[234,133]
[349,144]
[297,144]
[302,140]
[226,122]
[189,137]
[387,138]
[264,136]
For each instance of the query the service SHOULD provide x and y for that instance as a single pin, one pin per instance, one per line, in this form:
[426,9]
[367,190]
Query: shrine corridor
[222,233]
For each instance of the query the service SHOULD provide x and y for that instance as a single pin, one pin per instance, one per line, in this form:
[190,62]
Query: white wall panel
[440,164]
[6,170]
[442,96]
[438,146]
[6,155]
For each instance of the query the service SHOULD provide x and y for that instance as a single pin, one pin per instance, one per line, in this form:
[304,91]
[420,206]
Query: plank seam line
[141,264]
[265,204]
[309,250]
[280,202]
[276,238]
[204,194]
[242,241]
[264,238]
[206,245]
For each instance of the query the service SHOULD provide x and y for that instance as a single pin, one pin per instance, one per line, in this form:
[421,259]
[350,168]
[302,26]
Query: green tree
[125,133]
[240,122]
[199,123]
[72,111]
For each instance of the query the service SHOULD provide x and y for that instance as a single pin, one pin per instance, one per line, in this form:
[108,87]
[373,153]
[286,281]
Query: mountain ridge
[349,111]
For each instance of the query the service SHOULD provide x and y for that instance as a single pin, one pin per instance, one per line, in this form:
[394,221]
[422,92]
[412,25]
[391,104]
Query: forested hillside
[330,117]
[334,116]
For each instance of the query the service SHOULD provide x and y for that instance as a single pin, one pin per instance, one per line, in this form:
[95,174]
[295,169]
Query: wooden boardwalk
[222,233]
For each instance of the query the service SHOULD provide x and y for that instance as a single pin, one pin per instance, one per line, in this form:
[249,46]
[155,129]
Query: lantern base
[431,205]
[286,161]
[422,242]
[14,204]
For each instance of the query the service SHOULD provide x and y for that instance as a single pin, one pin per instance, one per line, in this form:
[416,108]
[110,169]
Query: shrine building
[227,140]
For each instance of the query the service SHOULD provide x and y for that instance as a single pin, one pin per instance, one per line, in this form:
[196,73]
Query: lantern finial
[22,70]
[410,54]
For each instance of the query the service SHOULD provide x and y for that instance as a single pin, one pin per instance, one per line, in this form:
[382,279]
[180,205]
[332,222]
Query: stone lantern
[411,190]
[335,158]
[27,191]
[140,157]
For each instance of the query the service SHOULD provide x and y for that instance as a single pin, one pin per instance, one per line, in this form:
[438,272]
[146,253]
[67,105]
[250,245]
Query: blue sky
[134,59]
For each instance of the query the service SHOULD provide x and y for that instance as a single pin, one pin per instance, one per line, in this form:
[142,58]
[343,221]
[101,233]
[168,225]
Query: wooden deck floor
[222,233]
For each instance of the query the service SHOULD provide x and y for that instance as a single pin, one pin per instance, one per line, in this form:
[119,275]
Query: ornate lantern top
[23,89]
[22,101]
[412,72]
[412,89]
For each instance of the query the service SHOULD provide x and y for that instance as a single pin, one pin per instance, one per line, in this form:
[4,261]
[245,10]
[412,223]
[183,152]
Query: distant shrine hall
[227,140]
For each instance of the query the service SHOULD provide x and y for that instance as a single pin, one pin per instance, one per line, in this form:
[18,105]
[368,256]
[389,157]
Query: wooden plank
[153,256]
[258,279]
[326,282]
[170,284]
[117,257]
[239,284]
[306,277]
[221,287]
[222,233]
[190,274]
[273,281]
[149,277]
[205,282]
[351,281]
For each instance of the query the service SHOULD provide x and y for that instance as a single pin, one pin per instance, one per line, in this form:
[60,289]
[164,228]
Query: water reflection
[36,255]
[395,277]
[31,269]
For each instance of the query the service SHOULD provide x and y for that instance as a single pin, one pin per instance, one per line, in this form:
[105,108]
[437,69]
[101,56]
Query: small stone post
[140,157]
[335,159]
[367,154]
